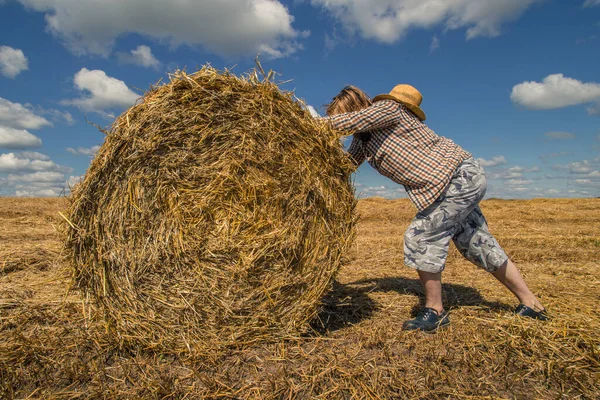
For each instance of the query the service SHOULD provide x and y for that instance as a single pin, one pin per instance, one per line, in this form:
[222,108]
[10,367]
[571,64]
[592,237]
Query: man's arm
[356,152]
[379,115]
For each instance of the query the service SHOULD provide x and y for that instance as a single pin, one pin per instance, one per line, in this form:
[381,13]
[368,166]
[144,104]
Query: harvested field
[52,347]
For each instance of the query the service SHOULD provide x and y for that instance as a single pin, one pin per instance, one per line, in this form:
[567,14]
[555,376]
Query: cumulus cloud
[49,192]
[11,138]
[43,177]
[12,61]
[34,155]
[15,115]
[32,174]
[591,3]
[512,173]
[101,92]
[381,191]
[15,120]
[580,167]
[11,162]
[494,162]
[389,20]
[559,135]
[141,56]
[226,27]
[74,180]
[519,182]
[57,115]
[312,111]
[556,91]
[86,151]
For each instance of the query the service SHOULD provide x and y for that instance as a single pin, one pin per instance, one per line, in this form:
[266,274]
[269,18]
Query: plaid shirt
[402,148]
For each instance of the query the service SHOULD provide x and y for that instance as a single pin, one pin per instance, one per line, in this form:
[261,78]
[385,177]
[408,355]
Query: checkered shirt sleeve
[402,148]
[380,115]
[356,151]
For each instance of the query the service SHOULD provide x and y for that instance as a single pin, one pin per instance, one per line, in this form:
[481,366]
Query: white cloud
[389,20]
[513,176]
[591,3]
[580,167]
[57,115]
[226,27]
[512,173]
[32,174]
[495,161]
[12,61]
[380,191]
[435,44]
[45,176]
[15,120]
[11,162]
[518,182]
[15,115]
[84,150]
[312,111]
[74,180]
[104,92]
[33,155]
[141,56]
[11,138]
[51,192]
[559,135]
[555,91]
[588,182]
[594,109]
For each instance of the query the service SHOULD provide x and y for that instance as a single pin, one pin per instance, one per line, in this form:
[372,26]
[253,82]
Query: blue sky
[515,82]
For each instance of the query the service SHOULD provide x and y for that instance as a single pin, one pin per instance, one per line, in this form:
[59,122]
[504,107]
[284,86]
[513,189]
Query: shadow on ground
[348,304]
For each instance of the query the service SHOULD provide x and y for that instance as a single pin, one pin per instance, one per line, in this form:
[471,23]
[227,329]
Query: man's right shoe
[427,320]
[524,311]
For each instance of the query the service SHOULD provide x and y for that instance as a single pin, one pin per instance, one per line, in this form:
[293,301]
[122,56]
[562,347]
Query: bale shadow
[342,306]
[348,304]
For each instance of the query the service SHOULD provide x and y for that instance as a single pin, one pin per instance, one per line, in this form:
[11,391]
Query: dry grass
[216,214]
[48,349]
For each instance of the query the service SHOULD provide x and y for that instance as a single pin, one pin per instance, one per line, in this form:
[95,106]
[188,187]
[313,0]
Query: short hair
[349,99]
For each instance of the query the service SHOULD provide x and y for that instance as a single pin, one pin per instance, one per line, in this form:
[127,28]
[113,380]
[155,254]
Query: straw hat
[408,96]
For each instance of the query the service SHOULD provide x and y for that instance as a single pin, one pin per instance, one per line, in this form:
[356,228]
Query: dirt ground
[355,349]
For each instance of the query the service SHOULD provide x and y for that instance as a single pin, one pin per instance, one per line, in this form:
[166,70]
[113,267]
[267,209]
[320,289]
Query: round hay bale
[216,213]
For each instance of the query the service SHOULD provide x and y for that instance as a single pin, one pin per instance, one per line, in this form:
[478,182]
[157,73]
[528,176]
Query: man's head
[349,99]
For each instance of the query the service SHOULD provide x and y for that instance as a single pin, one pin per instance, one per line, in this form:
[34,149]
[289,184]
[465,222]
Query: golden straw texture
[216,213]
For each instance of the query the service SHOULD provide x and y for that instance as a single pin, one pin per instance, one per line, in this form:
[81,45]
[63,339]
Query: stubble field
[51,346]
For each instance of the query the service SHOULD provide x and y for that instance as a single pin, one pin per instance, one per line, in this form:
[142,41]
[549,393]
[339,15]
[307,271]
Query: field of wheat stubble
[52,346]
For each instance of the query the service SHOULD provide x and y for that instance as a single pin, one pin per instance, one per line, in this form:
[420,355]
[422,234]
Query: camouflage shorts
[454,215]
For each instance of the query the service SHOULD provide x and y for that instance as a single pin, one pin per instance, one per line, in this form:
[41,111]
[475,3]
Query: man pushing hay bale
[216,213]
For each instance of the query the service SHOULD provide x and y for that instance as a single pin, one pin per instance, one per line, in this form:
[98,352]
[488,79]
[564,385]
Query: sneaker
[529,312]
[427,320]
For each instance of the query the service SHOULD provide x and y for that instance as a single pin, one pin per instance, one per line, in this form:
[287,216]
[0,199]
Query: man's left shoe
[427,320]
[529,312]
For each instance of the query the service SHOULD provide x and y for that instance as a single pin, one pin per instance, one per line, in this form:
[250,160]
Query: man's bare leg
[509,276]
[432,283]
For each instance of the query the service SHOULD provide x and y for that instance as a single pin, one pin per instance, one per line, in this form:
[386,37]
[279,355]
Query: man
[442,180]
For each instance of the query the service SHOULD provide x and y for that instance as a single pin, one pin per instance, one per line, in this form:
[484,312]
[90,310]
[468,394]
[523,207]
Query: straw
[215,214]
